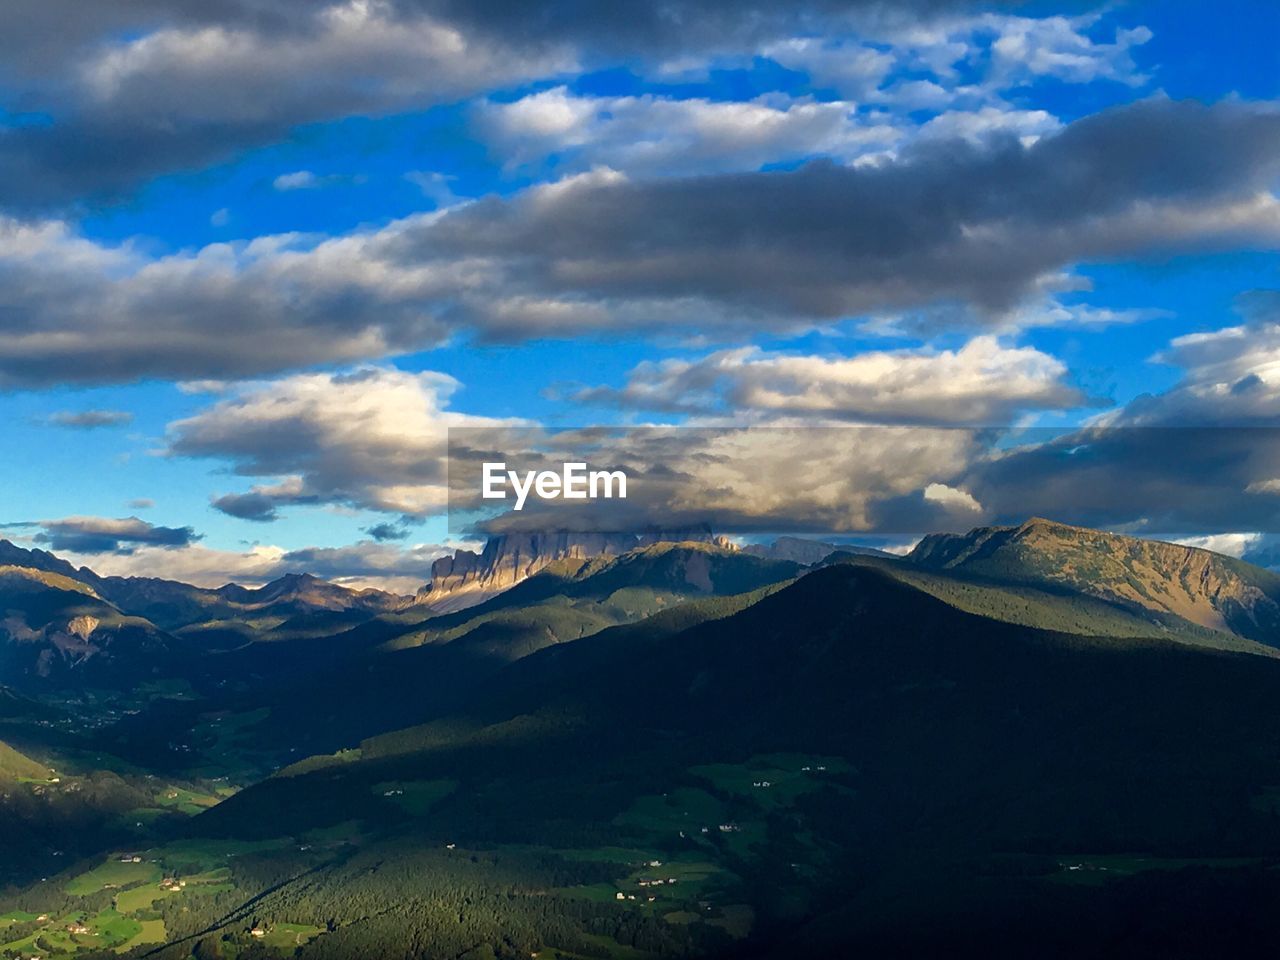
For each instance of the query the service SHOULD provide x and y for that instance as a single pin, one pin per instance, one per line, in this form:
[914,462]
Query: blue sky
[211,227]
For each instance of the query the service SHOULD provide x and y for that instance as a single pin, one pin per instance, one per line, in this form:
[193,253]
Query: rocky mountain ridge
[468,578]
[1205,588]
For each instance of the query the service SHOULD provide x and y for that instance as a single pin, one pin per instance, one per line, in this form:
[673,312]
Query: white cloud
[853,69]
[979,125]
[298,180]
[1227,544]
[952,498]
[1060,47]
[397,569]
[374,438]
[354,55]
[984,227]
[1231,376]
[982,382]
[665,136]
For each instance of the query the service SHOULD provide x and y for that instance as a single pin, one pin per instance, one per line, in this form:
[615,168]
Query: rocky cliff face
[468,578]
[1208,589]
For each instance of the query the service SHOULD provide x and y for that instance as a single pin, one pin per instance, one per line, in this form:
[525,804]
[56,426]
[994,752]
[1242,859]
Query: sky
[257,257]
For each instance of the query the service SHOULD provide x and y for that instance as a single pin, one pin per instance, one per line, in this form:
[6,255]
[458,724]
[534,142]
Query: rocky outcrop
[1206,588]
[82,626]
[468,578]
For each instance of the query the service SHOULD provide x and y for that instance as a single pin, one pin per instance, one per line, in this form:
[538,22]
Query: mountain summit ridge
[1206,588]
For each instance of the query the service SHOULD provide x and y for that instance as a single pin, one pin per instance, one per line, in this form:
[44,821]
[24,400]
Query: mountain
[978,751]
[292,605]
[807,552]
[468,578]
[1203,588]
[398,669]
[13,765]
[848,764]
[56,627]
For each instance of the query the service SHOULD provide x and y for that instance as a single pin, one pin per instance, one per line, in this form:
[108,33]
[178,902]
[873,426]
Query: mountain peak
[468,578]
[1204,588]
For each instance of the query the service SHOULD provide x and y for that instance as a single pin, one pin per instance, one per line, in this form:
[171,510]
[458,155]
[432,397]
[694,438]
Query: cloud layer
[374,438]
[981,383]
[100,535]
[981,226]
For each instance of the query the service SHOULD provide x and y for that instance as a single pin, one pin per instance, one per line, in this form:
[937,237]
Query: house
[78,929]
[258,931]
[620,896]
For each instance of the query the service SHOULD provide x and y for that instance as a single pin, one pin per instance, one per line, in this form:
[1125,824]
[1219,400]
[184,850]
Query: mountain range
[1032,740]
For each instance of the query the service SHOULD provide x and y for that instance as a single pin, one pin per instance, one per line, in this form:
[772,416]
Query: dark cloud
[986,226]
[366,560]
[106,535]
[982,225]
[1165,480]
[129,89]
[89,419]
[383,532]
[258,507]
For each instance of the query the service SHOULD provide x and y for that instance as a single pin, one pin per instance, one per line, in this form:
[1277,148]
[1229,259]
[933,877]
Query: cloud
[1036,311]
[78,311]
[89,419]
[651,135]
[983,382]
[192,87]
[360,565]
[1200,457]
[153,86]
[371,562]
[986,123]
[1231,376]
[253,505]
[383,532]
[981,226]
[100,535]
[1059,47]
[298,180]
[855,69]
[993,51]
[141,503]
[375,438]
[786,475]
